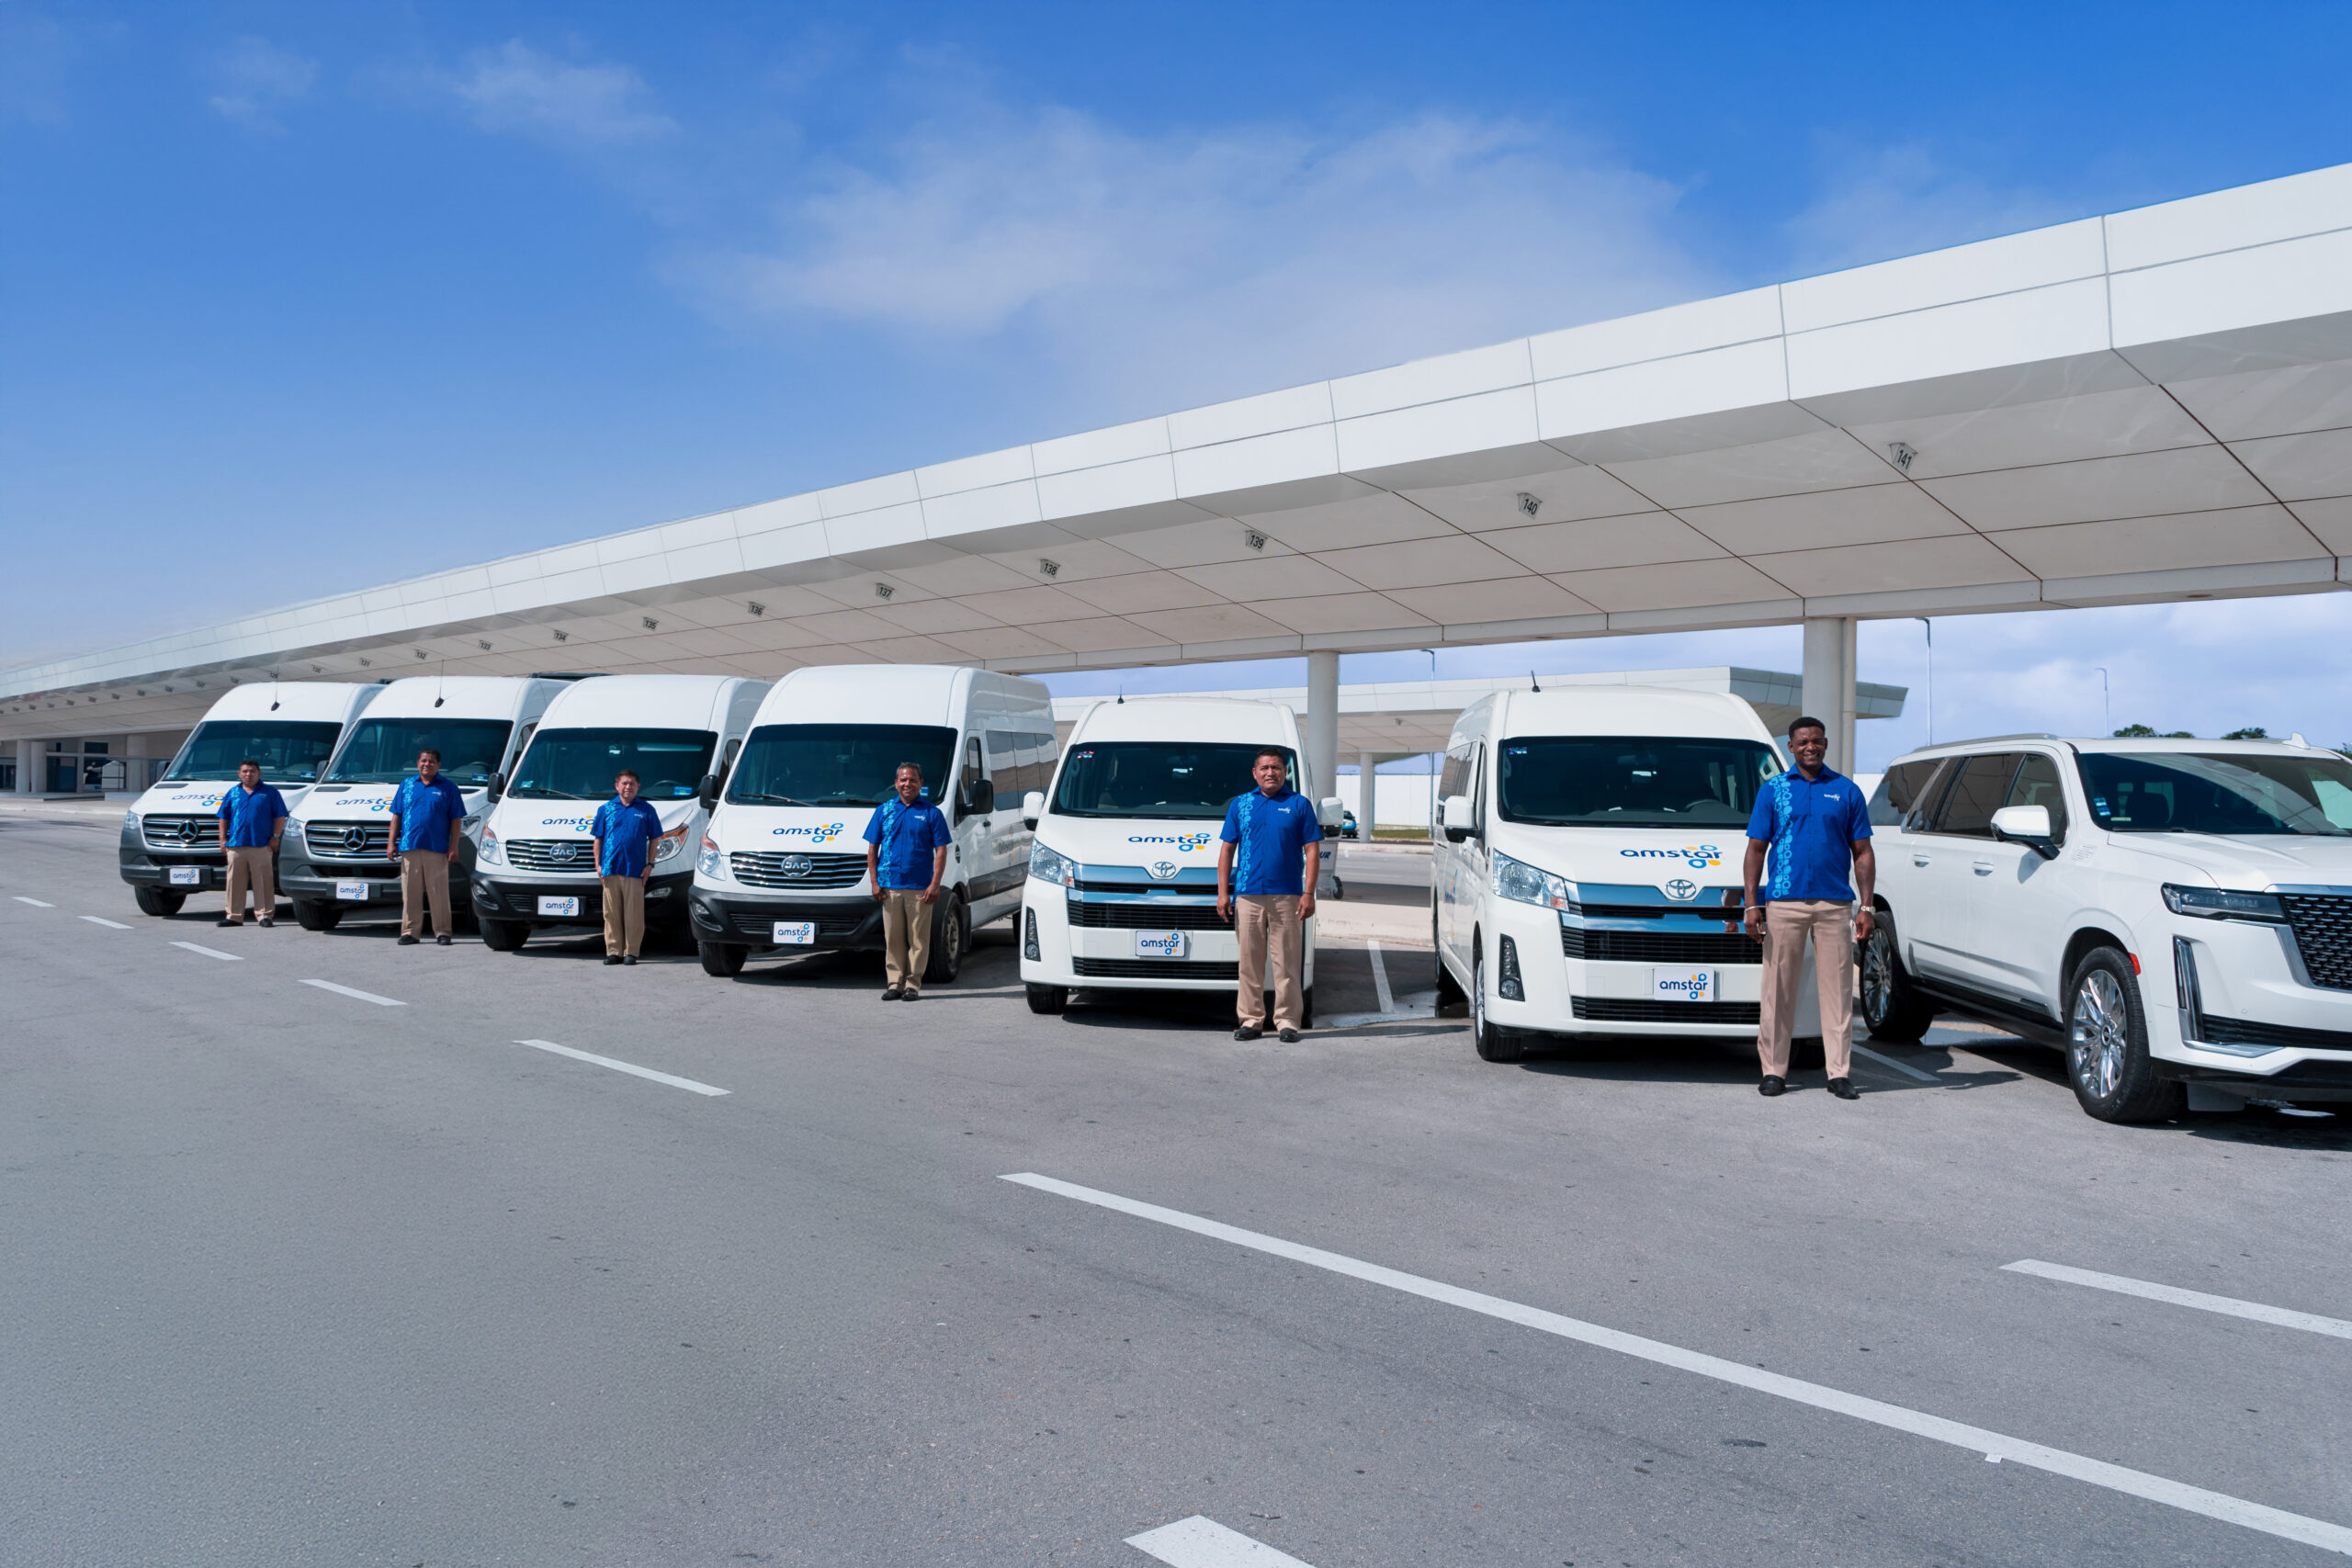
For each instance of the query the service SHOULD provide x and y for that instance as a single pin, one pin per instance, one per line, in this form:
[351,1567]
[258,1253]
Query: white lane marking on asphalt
[1379,975]
[360,996]
[34,902]
[1202,1542]
[111,925]
[211,951]
[2229,1306]
[1991,1445]
[687,1084]
[1899,1066]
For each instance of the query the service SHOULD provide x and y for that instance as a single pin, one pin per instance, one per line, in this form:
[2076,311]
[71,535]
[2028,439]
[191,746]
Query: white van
[171,836]
[782,866]
[535,862]
[1121,884]
[1585,874]
[334,861]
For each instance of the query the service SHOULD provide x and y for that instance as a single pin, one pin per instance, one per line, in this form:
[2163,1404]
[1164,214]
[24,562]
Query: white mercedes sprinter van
[1585,874]
[335,860]
[1122,884]
[535,862]
[782,866]
[171,838]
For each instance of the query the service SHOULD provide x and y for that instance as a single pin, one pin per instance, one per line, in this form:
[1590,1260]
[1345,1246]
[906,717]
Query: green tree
[2252,732]
[2135,732]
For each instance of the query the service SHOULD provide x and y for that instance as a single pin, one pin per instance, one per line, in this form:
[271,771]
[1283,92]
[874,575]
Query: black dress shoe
[1843,1088]
[629,958]
[406,942]
[441,941]
[1288,1036]
[1773,1084]
[266,924]
[1247,1032]
[892,995]
[612,958]
[224,920]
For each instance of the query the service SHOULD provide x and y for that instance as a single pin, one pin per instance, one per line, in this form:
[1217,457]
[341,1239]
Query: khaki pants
[623,914]
[1272,944]
[1786,924]
[425,879]
[250,867]
[906,936]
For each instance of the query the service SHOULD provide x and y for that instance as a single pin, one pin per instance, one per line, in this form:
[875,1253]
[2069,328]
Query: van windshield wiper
[766,800]
[535,792]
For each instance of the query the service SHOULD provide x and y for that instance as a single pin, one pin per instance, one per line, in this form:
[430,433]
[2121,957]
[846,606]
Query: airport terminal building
[2151,405]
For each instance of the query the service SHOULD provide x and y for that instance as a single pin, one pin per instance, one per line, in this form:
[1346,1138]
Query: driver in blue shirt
[625,831]
[425,811]
[1266,867]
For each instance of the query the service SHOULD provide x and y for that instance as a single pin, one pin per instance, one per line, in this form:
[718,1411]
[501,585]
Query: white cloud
[1900,200]
[1214,263]
[255,78]
[515,88]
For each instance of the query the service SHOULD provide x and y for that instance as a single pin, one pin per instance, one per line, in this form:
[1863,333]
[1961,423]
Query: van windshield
[580,764]
[2180,791]
[838,764]
[383,751]
[289,752]
[1156,778]
[1642,781]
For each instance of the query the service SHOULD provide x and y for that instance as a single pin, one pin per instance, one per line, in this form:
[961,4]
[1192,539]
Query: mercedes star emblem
[188,830]
[355,840]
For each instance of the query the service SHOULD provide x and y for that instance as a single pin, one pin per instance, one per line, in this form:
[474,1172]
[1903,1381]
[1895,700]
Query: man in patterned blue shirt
[1817,826]
[1265,884]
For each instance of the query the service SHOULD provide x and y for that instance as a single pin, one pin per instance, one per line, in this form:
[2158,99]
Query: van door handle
[1983,868]
[1918,859]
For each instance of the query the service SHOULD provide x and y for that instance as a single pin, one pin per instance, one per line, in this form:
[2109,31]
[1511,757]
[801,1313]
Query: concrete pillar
[1323,737]
[1367,793]
[1829,683]
[31,760]
[134,763]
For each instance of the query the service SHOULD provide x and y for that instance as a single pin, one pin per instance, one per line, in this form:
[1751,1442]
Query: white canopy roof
[2152,405]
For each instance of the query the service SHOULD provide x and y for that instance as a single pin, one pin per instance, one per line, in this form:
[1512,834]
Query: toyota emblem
[796,866]
[1162,871]
[1683,890]
[355,840]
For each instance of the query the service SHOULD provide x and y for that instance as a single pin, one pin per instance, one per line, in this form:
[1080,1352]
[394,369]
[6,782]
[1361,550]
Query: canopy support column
[1829,683]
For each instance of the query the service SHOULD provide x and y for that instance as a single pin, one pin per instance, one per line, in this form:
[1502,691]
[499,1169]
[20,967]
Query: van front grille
[551,855]
[181,832]
[1146,914]
[795,869]
[1642,1010]
[1659,947]
[1169,969]
[347,841]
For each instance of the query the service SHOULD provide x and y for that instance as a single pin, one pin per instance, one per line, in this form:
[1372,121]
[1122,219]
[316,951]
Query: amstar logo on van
[817,835]
[1185,843]
[577,823]
[1698,858]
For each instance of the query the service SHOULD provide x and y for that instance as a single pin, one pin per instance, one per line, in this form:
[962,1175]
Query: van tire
[155,901]
[2107,1064]
[1892,1006]
[313,916]
[722,958]
[1494,1042]
[1048,999]
[951,937]
[504,936]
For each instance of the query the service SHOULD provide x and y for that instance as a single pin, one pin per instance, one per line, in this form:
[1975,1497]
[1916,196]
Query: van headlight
[131,823]
[490,850]
[669,845]
[2221,903]
[1049,865]
[1517,880]
[713,860]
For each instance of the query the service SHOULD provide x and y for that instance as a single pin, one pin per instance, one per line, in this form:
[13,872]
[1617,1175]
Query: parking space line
[1904,1067]
[2228,1306]
[211,951]
[687,1084]
[34,902]
[360,996]
[111,925]
[1379,975]
[1994,1445]
[1202,1542]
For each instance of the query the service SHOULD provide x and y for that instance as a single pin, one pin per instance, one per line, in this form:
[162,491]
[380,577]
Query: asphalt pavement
[322,1250]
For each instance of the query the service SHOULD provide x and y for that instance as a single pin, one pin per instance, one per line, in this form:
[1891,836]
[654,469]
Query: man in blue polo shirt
[1265,884]
[426,812]
[1817,826]
[252,818]
[906,854]
[625,831]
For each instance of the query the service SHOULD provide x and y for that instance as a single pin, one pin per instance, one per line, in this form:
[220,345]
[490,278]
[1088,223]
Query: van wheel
[1048,999]
[1892,1005]
[504,936]
[951,930]
[2107,1044]
[721,958]
[313,916]
[155,901]
[1495,1044]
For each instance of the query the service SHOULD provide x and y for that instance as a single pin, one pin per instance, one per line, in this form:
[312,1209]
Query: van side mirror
[1033,805]
[707,792]
[2027,824]
[980,799]
[497,787]
[1329,811]
[1457,819]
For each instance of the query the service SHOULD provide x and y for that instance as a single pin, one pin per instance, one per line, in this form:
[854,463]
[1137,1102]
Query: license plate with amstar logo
[567,908]
[1163,945]
[351,892]
[1682,984]
[187,876]
[796,934]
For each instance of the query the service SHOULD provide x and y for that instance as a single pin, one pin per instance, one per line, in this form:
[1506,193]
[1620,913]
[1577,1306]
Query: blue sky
[296,298]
